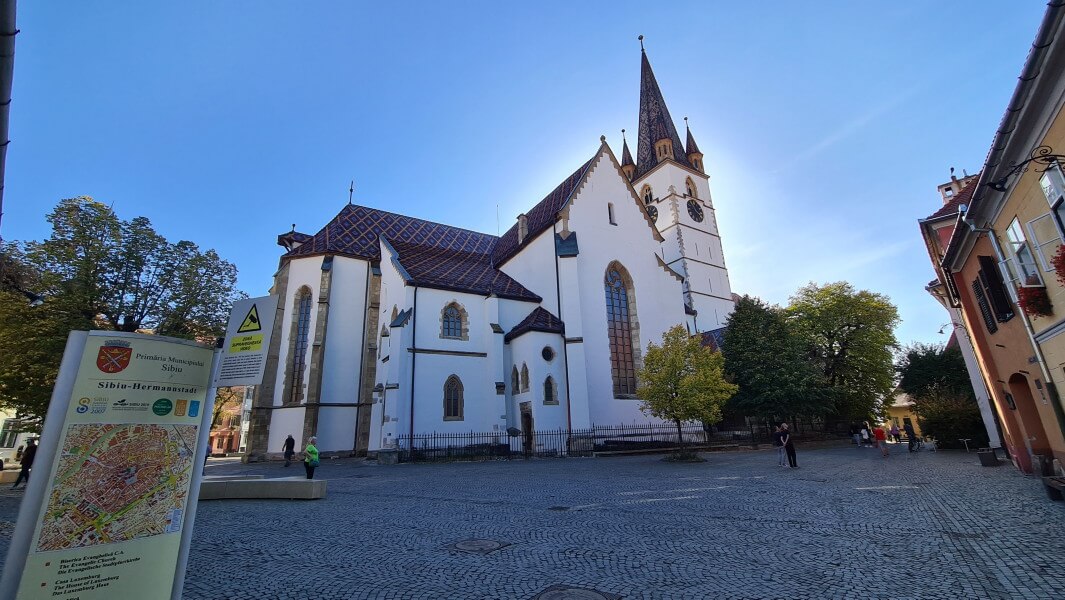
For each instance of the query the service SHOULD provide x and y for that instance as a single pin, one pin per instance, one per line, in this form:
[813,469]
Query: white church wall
[534,268]
[336,428]
[481,406]
[345,338]
[658,297]
[302,272]
[285,422]
[512,312]
[528,349]
[431,304]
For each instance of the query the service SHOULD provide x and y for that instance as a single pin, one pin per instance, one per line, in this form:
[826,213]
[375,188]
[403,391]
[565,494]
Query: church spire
[627,166]
[658,139]
[692,149]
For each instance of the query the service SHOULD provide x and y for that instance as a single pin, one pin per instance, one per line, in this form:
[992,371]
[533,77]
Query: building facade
[389,326]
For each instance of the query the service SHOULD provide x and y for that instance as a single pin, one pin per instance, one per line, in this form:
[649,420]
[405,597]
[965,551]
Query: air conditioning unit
[1053,183]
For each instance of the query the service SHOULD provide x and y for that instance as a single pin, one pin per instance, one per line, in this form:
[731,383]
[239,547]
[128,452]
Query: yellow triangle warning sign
[251,322]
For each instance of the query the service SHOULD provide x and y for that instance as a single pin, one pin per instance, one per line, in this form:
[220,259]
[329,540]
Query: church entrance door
[527,429]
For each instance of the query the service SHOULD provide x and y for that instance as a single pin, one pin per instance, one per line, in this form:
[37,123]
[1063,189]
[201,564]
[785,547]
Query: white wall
[345,337]
[534,268]
[528,349]
[283,423]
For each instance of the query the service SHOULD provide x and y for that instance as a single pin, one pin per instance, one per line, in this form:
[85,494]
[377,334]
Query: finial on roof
[293,228]
[602,139]
[686,123]
[641,42]
[351,191]
[623,135]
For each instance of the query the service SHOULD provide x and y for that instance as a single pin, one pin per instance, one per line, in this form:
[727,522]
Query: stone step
[287,488]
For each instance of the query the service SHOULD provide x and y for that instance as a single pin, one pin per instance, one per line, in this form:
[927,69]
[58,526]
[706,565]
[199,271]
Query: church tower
[671,179]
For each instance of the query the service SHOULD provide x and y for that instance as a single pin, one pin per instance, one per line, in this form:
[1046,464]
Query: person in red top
[881,440]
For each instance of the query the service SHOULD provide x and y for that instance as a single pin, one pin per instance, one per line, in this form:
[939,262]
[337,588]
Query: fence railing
[498,445]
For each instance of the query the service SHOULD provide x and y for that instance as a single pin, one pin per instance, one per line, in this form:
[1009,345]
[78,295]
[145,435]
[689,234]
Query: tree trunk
[680,437]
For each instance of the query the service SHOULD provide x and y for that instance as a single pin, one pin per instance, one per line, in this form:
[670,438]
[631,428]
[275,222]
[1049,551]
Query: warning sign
[251,322]
[247,342]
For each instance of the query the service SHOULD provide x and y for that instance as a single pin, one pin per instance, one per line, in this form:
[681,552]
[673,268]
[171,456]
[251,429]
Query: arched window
[648,195]
[515,385]
[620,324]
[550,394]
[524,377]
[298,344]
[453,322]
[690,185]
[453,399]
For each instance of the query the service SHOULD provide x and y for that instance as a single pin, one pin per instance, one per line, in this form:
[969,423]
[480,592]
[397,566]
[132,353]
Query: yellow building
[901,412]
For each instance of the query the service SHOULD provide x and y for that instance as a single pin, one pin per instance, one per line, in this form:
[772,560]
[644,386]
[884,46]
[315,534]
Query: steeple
[692,149]
[627,166]
[658,139]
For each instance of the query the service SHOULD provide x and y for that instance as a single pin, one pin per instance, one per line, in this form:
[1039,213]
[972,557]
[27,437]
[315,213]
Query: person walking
[857,435]
[27,463]
[881,440]
[289,449]
[310,457]
[911,435]
[789,445]
[865,436]
[778,437]
[895,433]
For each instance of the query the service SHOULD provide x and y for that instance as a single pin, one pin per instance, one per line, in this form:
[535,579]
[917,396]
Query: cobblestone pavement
[847,524]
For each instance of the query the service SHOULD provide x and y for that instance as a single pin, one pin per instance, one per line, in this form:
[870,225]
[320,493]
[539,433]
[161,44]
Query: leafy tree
[936,378]
[850,338]
[132,277]
[682,380]
[225,397]
[769,364]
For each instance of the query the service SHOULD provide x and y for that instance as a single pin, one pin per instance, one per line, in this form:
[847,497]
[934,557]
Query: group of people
[782,439]
[310,454]
[878,436]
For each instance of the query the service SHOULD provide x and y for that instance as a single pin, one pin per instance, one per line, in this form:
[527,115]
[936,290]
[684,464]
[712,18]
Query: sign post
[251,324]
[112,498]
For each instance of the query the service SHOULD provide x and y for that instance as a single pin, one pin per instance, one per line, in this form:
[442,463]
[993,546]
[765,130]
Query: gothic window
[648,195]
[550,394]
[690,185]
[610,213]
[515,384]
[451,326]
[298,344]
[620,323]
[453,399]
[524,377]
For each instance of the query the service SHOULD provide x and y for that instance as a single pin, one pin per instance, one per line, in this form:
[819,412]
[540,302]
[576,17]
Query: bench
[1054,487]
[285,488]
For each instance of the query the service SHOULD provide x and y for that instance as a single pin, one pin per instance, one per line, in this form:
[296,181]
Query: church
[390,326]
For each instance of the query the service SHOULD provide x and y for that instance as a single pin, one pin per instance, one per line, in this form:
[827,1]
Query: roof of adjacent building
[713,339]
[655,123]
[455,269]
[539,319]
[952,205]
[540,217]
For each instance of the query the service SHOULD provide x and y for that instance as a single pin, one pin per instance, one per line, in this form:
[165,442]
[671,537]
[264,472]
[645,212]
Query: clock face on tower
[695,211]
[653,213]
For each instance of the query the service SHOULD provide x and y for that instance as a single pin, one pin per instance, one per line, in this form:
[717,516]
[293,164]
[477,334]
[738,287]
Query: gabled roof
[655,123]
[538,320]
[356,229]
[458,270]
[542,216]
[952,205]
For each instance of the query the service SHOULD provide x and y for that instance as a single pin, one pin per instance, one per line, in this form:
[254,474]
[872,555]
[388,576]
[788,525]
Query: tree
[224,398]
[850,337]
[132,277]
[682,380]
[768,363]
[938,382]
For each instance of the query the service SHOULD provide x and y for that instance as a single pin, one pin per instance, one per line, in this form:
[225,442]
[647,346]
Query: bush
[950,421]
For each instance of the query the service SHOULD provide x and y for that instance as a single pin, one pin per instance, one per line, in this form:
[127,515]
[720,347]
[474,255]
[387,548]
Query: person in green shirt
[310,456]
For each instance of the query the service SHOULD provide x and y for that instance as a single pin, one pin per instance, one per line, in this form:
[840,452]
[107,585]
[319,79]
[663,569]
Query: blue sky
[826,126]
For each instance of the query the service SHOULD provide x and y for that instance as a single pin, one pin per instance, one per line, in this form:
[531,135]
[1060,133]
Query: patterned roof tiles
[541,216]
[455,269]
[538,320]
[655,123]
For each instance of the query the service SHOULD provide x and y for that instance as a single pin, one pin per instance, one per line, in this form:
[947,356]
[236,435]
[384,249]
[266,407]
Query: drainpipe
[413,360]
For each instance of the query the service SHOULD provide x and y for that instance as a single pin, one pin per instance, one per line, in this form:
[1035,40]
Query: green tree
[682,380]
[850,338]
[769,364]
[128,275]
[938,382]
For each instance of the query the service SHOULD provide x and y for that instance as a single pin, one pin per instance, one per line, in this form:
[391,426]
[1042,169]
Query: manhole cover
[478,546]
[565,592]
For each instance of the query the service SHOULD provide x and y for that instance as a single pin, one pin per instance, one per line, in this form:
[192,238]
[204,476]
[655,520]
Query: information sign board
[247,342]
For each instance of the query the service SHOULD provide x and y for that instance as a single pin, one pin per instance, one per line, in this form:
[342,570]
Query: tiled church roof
[452,269]
[355,230]
[655,123]
[538,320]
[541,216]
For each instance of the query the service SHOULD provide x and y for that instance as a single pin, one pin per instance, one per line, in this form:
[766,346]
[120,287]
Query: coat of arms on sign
[114,356]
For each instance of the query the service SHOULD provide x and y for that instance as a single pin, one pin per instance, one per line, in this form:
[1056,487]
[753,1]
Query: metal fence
[499,445]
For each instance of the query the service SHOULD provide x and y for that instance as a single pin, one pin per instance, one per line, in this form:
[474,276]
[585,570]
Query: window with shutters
[985,308]
[994,290]
[1045,239]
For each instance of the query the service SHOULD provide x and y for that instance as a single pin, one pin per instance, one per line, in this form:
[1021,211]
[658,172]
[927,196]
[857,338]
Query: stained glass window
[619,328]
[299,348]
[453,399]
[452,322]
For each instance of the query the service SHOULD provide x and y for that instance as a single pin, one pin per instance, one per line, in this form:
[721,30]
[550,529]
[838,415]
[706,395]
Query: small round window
[548,353]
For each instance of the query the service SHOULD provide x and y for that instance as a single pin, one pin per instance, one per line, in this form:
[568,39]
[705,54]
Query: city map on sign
[116,483]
